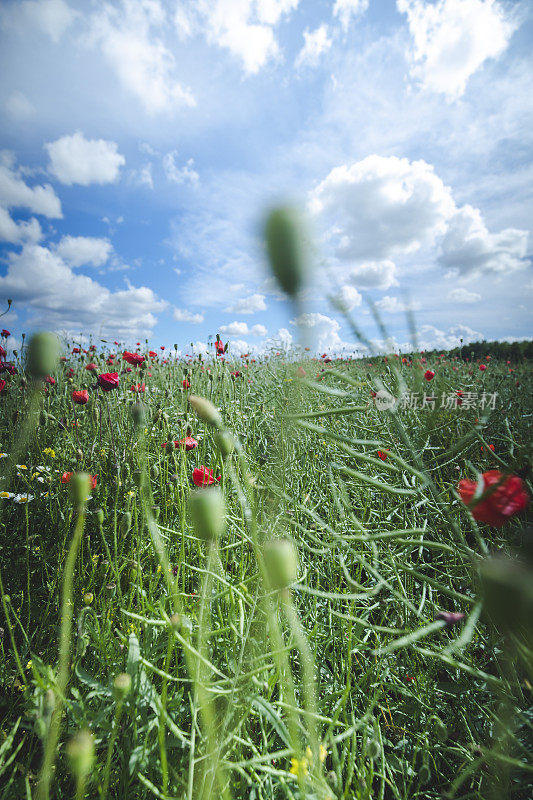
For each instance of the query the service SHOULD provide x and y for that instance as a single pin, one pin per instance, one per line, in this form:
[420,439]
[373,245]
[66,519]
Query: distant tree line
[508,351]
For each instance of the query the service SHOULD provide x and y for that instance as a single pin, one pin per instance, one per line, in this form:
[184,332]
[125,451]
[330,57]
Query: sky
[143,142]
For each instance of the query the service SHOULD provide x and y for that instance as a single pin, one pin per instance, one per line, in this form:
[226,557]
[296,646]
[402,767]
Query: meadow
[256,577]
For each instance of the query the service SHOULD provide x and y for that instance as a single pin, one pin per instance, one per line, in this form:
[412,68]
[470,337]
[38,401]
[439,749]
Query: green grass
[352,657]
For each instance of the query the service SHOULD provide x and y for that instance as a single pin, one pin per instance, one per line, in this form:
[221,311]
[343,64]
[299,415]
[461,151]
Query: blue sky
[143,141]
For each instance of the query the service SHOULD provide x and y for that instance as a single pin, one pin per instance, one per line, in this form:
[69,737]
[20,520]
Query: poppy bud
[206,410]
[373,749]
[138,478]
[43,418]
[281,558]
[88,598]
[138,414]
[181,622]
[284,246]
[441,731]
[42,355]
[80,753]
[154,471]
[99,516]
[121,687]
[208,511]
[125,523]
[225,443]
[80,487]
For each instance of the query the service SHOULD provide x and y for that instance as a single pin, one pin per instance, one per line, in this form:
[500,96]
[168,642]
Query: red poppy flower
[383,455]
[132,358]
[429,375]
[301,372]
[482,367]
[80,396]
[3,353]
[108,381]
[185,383]
[459,400]
[66,478]
[76,350]
[450,617]
[92,347]
[50,380]
[508,499]
[5,333]
[2,386]
[91,367]
[219,347]
[152,354]
[202,476]
[235,374]
[491,447]
[139,387]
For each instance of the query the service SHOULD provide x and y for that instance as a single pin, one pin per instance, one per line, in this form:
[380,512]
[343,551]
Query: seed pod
[42,356]
[225,443]
[125,523]
[80,753]
[80,487]
[88,598]
[284,246]
[121,687]
[281,558]
[208,511]
[206,410]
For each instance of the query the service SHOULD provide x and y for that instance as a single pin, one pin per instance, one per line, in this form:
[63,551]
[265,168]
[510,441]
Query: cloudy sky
[142,142]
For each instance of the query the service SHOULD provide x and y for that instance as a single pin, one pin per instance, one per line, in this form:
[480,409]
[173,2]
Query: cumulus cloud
[321,332]
[461,295]
[348,297]
[242,329]
[375,275]
[391,305]
[470,248]
[19,107]
[432,338]
[452,39]
[81,250]
[15,192]
[316,43]
[244,27]
[176,174]
[127,37]
[182,315]
[248,305]
[59,299]
[75,159]
[346,10]
[382,207]
[16,232]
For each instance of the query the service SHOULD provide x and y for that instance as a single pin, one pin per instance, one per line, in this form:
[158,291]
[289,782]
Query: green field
[317,669]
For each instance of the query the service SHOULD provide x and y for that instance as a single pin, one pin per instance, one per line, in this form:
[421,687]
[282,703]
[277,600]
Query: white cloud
[461,295]
[316,43]
[349,297]
[320,332]
[380,206]
[432,338]
[470,248]
[15,232]
[248,305]
[391,305]
[242,329]
[52,17]
[452,39]
[375,275]
[346,9]
[184,174]
[237,347]
[144,65]
[75,159]
[80,250]
[143,176]
[182,315]
[59,299]
[15,193]
[19,107]
[244,27]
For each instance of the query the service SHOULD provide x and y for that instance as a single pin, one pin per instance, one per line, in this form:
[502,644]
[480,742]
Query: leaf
[268,712]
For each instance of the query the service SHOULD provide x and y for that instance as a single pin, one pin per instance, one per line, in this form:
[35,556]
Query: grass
[347,684]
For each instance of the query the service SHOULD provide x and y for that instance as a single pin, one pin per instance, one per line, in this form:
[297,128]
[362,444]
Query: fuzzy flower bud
[80,753]
[121,687]
[284,246]
[206,410]
[42,355]
[281,558]
[225,443]
[208,510]
[80,487]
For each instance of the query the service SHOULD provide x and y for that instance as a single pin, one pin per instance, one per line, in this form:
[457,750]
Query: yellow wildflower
[322,754]
[299,767]
[48,451]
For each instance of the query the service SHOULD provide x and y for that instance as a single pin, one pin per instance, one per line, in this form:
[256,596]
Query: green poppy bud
[80,487]
[206,410]
[121,687]
[181,622]
[88,598]
[441,731]
[80,753]
[99,516]
[138,478]
[138,414]
[284,246]
[42,355]
[373,749]
[154,471]
[125,523]
[281,559]
[208,511]
[225,443]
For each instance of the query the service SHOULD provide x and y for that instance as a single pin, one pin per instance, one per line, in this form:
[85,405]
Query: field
[331,623]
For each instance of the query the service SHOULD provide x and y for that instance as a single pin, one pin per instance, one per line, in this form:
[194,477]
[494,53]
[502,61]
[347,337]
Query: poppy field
[285,576]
